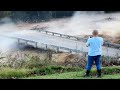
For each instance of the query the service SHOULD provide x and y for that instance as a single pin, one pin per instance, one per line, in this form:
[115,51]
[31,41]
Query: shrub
[10,73]
[105,71]
[35,62]
[53,69]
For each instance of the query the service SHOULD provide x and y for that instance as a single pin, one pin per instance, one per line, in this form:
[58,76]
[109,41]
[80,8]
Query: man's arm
[88,43]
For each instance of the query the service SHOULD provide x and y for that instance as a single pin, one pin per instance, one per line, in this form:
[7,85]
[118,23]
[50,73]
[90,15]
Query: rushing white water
[81,23]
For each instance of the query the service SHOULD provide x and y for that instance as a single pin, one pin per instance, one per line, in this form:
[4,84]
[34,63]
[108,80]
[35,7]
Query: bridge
[59,42]
[108,44]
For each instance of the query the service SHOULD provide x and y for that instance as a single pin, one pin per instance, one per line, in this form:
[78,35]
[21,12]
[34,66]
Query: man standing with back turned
[94,53]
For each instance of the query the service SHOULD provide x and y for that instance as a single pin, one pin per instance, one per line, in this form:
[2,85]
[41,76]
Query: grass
[107,73]
[30,66]
[73,75]
[11,73]
[53,69]
[57,72]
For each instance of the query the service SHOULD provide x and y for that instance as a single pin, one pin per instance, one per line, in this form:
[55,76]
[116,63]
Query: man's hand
[88,44]
[89,37]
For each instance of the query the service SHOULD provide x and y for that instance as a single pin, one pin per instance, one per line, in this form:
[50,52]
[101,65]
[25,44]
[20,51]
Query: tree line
[36,16]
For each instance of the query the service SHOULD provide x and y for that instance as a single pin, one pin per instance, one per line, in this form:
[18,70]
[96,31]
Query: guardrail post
[86,54]
[108,45]
[46,47]
[53,34]
[60,35]
[70,51]
[57,49]
[46,32]
[68,36]
[76,52]
[36,44]
[18,41]
[77,38]
[26,42]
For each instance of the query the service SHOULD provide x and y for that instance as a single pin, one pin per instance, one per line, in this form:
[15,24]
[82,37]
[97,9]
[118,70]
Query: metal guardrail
[58,34]
[46,46]
[108,44]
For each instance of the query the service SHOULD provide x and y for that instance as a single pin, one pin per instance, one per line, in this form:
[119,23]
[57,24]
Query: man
[94,53]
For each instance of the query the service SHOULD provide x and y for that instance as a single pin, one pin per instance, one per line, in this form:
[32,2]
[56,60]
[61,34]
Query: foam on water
[83,22]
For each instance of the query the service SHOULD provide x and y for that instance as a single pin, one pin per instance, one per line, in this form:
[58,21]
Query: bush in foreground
[11,73]
[107,70]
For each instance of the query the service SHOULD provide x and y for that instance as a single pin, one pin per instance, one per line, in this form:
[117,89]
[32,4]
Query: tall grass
[10,73]
[23,60]
[24,65]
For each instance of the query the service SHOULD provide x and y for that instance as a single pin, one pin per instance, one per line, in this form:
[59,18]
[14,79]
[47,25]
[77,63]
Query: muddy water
[79,24]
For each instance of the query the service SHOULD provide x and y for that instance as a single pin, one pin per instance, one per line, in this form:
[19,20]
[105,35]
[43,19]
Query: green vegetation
[73,75]
[57,72]
[5,14]
[107,73]
[38,66]
[10,73]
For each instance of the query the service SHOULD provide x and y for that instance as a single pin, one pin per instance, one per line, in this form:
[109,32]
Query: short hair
[95,32]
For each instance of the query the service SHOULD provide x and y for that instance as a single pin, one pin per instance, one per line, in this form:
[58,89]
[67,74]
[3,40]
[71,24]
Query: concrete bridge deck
[42,39]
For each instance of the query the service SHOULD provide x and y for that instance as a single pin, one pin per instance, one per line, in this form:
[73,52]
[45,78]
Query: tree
[5,14]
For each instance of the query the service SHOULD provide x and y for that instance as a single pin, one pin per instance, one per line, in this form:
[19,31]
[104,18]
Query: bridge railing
[59,34]
[108,44]
[48,46]
[45,46]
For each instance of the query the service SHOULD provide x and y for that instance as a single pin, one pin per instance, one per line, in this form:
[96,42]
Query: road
[58,41]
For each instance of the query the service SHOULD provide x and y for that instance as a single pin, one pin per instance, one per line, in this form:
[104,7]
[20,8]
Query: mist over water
[6,28]
[10,29]
[7,45]
[83,22]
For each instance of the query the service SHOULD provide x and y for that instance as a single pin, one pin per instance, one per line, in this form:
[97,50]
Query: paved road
[57,41]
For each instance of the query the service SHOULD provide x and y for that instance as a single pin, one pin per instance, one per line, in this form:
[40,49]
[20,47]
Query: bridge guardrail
[108,44]
[46,46]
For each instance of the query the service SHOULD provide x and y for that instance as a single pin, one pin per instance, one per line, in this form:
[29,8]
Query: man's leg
[98,65]
[89,65]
